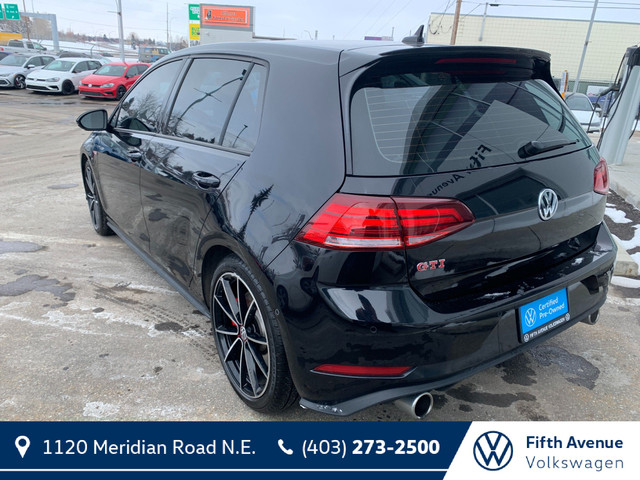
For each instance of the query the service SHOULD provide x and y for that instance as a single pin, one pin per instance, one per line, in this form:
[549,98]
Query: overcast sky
[339,19]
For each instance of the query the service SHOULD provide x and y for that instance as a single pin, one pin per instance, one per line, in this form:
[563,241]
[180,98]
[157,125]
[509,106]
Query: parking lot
[88,331]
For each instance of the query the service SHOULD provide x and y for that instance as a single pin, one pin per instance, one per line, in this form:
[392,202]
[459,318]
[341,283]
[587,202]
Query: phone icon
[288,451]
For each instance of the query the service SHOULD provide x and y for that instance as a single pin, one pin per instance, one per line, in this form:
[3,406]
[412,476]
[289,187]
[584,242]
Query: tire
[120,92]
[68,88]
[248,339]
[98,217]
[19,82]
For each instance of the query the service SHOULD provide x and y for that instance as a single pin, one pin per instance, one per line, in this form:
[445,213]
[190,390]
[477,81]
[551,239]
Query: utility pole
[484,19]
[26,20]
[456,19]
[167,24]
[120,29]
[584,49]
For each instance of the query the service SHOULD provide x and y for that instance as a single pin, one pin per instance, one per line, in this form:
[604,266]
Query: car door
[79,72]
[190,164]
[122,150]
[130,77]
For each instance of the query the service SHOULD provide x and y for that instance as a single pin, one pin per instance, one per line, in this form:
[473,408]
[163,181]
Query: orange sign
[226,16]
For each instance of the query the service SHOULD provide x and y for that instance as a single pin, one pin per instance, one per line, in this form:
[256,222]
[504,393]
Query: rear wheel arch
[210,262]
[215,254]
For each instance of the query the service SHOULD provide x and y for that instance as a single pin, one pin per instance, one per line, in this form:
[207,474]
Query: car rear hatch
[491,177]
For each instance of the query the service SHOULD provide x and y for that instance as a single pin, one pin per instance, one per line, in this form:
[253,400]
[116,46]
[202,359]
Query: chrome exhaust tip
[417,406]
[593,318]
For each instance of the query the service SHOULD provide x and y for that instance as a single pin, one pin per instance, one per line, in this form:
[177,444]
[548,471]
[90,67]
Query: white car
[583,110]
[63,75]
[14,68]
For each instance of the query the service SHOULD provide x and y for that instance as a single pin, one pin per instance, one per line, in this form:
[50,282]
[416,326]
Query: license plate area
[540,316]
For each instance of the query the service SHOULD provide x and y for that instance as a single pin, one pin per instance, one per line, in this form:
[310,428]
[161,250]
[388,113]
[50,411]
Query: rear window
[413,122]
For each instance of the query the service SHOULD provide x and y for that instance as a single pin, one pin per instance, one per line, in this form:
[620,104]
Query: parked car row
[67,75]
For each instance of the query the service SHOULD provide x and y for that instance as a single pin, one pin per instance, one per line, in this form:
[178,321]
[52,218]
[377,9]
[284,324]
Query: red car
[112,80]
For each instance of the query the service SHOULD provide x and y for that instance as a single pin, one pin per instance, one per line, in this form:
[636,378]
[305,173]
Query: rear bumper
[393,326]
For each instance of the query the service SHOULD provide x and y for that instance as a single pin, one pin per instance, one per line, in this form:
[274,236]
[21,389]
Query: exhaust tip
[593,318]
[418,406]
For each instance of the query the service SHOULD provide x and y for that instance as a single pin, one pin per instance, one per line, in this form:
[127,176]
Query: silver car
[583,110]
[14,68]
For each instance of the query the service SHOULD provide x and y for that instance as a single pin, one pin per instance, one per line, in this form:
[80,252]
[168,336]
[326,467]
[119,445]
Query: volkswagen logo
[493,450]
[547,204]
[530,317]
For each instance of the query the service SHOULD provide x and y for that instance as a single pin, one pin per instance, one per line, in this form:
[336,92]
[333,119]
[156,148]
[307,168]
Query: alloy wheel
[19,82]
[242,335]
[91,196]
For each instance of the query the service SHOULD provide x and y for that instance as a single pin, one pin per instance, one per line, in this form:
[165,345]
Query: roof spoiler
[416,39]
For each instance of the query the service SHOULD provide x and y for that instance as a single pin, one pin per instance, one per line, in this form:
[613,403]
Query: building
[562,38]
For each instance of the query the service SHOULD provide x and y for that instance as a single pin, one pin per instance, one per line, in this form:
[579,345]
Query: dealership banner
[331,449]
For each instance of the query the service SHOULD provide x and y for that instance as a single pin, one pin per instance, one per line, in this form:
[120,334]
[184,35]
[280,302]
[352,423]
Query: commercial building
[562,38]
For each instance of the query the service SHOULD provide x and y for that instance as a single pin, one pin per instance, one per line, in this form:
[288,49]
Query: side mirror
[30,66]
[93,120]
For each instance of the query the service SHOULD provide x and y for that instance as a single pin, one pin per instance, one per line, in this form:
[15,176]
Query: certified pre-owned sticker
[431,265]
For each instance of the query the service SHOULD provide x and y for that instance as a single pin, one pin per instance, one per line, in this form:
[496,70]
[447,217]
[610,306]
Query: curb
[625,265]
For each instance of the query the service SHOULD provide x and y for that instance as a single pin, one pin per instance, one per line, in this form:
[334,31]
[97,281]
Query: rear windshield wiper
[534,147]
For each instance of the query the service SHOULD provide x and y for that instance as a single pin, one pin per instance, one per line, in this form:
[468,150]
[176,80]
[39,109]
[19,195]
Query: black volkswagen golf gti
[362,223]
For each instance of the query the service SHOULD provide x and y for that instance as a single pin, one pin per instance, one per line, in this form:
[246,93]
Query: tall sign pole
[120,29]
[456,19]
[584,49]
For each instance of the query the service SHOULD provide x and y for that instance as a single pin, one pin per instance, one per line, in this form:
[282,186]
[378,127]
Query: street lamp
[484,17]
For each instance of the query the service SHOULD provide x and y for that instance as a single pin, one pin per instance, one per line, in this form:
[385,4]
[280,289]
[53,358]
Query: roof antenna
[416,39]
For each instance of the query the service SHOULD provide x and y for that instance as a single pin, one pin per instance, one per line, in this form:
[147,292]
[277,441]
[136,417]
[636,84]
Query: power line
[362,18]
[392,18]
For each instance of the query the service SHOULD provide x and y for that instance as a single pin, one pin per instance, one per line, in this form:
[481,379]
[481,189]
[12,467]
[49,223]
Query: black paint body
[356,308]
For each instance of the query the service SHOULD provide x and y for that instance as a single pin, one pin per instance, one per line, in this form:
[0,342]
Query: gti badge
[547,204]
[431,265]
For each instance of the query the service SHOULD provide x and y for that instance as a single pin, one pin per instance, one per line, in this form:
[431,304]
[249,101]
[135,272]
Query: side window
[94,65]
[143,106]
[80,67]
[37,61]
[47,60]
[205,98]
[242,131]
[15,43]
[142,69]
[30,45]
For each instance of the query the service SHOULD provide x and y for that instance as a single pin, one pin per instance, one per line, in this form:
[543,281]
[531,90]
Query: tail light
[601,178]
[358,222]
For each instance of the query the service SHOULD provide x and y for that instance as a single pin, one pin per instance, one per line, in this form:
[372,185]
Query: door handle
[206,180]
[134,154]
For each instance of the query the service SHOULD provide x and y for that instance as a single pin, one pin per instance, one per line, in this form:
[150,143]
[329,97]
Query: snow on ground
[616,215]
[88,47]
[634,242]
[625,282]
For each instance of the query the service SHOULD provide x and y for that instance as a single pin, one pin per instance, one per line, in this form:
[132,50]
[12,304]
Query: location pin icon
[22,444]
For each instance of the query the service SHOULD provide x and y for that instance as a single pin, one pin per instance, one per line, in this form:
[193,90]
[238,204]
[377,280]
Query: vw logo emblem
[493,450]
[547,204]
[530,317]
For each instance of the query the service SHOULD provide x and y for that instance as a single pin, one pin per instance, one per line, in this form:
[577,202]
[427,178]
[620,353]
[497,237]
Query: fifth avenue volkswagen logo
[547,204]
[493,450]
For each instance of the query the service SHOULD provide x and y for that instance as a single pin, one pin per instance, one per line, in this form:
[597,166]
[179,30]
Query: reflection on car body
[361,223]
